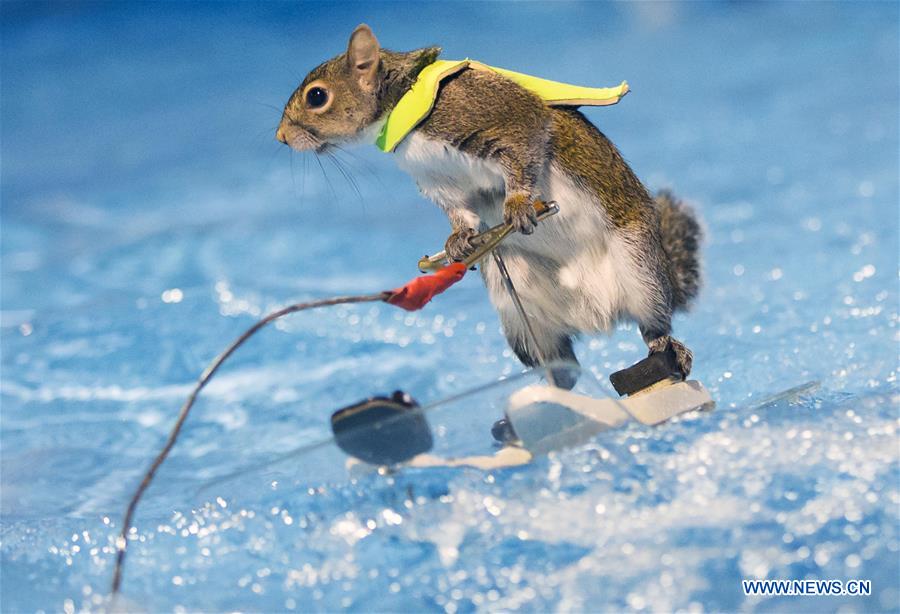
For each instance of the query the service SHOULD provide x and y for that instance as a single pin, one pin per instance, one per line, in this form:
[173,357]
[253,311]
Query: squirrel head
[341,99]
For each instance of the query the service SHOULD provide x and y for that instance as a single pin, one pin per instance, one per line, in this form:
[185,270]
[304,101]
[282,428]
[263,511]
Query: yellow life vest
[415,105]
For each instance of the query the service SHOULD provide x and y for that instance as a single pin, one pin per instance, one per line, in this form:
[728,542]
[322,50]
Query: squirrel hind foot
[558,351]
[684,358]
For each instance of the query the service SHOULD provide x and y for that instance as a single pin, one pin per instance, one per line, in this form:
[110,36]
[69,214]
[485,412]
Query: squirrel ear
[426,56]
[363,56]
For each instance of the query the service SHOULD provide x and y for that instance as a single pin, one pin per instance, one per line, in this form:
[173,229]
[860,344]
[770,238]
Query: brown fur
[489,117]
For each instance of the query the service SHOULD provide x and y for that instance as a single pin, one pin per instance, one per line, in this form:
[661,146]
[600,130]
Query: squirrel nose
[280,135]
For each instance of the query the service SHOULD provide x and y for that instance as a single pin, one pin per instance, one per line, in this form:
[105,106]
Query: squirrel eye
[316,97]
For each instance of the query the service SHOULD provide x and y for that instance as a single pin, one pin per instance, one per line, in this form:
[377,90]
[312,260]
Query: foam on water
[146,224]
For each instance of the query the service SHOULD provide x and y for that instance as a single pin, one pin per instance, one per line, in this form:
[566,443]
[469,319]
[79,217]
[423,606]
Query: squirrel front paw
[519,212]
[459,244]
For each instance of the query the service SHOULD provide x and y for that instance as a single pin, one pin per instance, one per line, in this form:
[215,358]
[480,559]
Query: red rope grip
[416,294]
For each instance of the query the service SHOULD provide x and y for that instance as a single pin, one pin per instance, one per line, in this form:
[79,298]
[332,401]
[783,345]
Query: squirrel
[487,151]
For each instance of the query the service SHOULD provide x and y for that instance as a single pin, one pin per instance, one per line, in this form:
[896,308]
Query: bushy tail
[681,235]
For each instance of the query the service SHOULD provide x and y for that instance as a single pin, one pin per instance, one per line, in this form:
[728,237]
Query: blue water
[148,216]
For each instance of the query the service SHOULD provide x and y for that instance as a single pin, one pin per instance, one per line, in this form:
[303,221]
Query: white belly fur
[575,273]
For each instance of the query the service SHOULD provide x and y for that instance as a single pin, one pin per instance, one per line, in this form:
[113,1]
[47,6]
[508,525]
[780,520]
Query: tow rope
[412,296]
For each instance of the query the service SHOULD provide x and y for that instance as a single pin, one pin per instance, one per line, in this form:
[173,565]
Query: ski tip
[790,394]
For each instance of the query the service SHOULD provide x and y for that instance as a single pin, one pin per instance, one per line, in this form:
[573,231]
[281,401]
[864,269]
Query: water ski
[394,432]
[540,419]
